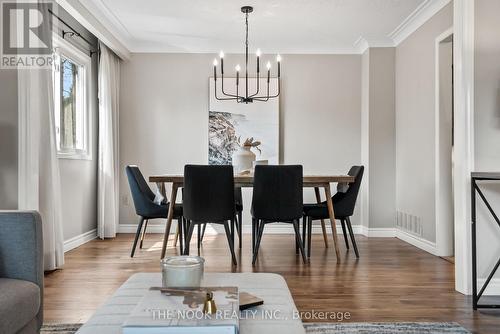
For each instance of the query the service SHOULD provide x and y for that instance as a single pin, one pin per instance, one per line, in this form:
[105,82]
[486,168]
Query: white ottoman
[109,318]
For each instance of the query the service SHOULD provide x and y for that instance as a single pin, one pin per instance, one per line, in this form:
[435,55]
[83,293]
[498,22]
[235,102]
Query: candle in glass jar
[182,271]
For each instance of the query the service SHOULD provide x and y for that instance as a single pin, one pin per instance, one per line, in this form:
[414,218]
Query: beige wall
[415,121]
[487,125]
[379,137]
[164,115]
[79,177]
[8,139]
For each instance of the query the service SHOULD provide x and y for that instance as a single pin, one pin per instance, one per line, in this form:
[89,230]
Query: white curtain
[108,163]
[39,179]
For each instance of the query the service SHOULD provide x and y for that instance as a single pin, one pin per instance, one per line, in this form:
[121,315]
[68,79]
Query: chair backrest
[208,194]
[346,202]
[277,193]
[142,195]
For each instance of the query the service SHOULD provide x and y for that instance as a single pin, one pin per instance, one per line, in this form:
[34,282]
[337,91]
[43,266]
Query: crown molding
[416,19]
[121,41]
[104,14]
[362,44]
[92,19]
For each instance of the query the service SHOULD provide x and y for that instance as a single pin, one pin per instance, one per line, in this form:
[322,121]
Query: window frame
[63,48]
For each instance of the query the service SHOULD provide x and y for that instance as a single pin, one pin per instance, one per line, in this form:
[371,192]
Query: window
[71,101]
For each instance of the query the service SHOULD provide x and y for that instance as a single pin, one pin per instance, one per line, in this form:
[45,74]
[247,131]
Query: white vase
[243,159]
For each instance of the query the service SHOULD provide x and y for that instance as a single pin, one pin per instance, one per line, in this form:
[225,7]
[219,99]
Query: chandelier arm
[257,92]
[263,98]
[259,98]
[223,92]
[222,98]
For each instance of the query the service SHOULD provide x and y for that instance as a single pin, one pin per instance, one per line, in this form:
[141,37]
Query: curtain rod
[73,32]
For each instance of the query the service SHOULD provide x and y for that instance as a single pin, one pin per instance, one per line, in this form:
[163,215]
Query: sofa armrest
[21,248]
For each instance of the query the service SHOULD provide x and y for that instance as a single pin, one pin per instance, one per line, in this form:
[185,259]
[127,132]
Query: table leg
[170,215]
[323,227]
[331,213]
[161,187]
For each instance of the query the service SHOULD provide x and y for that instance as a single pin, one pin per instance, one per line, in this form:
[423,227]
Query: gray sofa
[21,272]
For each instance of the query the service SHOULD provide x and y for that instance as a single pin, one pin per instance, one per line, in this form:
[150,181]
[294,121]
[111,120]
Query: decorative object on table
[243,158]
[228,121]
[182,311]
[259,163]
[182,271]
[209,306]
[248,95]
[248,300]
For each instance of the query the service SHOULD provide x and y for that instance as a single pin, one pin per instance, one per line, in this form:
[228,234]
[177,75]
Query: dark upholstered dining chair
[238,203]
[343,203]
[277,198]
[145,206]
[208,197]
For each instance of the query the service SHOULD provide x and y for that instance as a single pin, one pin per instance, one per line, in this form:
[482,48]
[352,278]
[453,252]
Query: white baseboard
[378,232]
[79,240]
[493,288]
[158,227]
[416,241]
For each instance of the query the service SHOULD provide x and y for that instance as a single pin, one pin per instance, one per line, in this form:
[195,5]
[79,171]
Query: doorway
[445,219]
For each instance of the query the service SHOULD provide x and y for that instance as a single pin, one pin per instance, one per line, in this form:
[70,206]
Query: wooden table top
[247,180]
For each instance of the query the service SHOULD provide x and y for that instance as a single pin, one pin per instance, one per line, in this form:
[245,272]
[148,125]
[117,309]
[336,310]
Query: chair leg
[139,227]
[349,226]
[342,222]
[254,228]
[198,235]
[259,232]
[240,228]
[309,232]
[230,239]
[189,235]
[297,237]
[203,232]
[180,223]
[304,230]
[143,232]
[297,243]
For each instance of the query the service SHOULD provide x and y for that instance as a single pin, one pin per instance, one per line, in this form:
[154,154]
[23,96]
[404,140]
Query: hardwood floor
[392,281]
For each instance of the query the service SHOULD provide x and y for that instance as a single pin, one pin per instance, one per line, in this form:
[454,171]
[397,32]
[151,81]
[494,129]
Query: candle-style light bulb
[268,65]
[258,53]
[221,55]
[278,59]
[238,68]
[215,69]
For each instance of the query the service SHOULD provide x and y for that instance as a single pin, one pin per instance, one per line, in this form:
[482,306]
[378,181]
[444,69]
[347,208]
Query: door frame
[463,74]
[443,241]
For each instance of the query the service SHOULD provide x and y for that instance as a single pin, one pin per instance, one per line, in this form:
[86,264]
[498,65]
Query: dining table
[245,181]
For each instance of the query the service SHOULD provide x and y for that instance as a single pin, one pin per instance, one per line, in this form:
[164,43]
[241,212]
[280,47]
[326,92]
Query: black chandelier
[246,98]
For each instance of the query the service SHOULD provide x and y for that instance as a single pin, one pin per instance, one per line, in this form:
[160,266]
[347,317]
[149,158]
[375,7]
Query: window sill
[74,156]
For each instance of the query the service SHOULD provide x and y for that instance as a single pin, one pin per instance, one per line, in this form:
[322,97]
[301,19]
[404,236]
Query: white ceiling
[285,26]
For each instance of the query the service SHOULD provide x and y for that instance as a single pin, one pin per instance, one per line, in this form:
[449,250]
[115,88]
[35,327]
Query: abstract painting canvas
[229,120]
